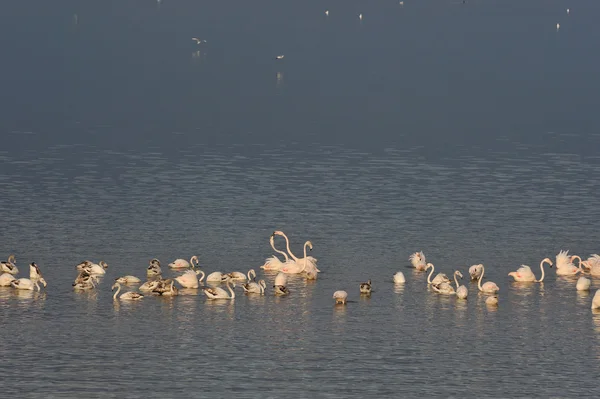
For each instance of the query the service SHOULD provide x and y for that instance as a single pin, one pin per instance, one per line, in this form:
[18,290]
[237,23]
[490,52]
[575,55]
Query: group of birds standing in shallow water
[90,274]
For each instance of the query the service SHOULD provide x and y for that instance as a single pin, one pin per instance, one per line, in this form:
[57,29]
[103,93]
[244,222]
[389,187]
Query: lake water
[468,131]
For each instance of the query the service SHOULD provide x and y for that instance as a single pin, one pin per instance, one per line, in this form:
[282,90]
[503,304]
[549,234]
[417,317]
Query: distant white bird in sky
[557,27]
[401,3]
[568,11]
[327,12]
[360,16]
[198,41]
[280,57]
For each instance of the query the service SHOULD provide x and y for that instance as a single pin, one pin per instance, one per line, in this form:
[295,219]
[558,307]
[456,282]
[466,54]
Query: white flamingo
[184,264]
[583,284]
[149,286]
[239,276]
[9,266]
[461,291]
[154,268]
[126,296]
[6,279]
[216,277]
[399,278]
[524,273]
[128,280]
[300,265]
[98,268]
[445,288]
[593,263]
[418,261]
[340,297]
[475,271]
[190,279]
[281,279]
[439,278]
[35,273]
[310,259]
[596,300]
[25,284]
[255,288]
[491,301]
[565,266]
[220,293]
[488,287]
[273,263]
[280,290]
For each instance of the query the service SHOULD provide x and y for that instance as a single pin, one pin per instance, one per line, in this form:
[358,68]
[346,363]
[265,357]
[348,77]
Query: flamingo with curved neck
[524,273]
[273,263]
[489,287]
[220,293]
[300,267]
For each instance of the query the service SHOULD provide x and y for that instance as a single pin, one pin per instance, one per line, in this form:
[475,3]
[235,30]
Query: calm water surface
[467,131]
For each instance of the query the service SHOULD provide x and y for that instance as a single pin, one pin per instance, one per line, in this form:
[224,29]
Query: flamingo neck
[542,269]
[480,278]
[230,289]
[430,273]
[455,280]
[287,245]
[118,290]
[201,278]
[278,251]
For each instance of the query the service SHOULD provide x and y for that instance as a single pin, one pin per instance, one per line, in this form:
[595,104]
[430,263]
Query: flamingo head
[548,261]
[309,244]
[428,266]
[459,274]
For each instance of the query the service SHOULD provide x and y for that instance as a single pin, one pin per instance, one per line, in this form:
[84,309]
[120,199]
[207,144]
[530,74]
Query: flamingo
[128,280]
[583,284]
[340,297]
[166,288]
[461,291]
[281,279]
[280,290]
[365,288]
[439,278]
[184,264]
[26,284]
[239,276]
[524,273]
[6,279]
[301,265]
[446,288]
[255,288]
[216,277]
[34,272]
[126,296]
[190,279]
[567,268]
[596,300]
[492,301]
[154,268]
[98,268]
[273,263]
[149,285]
[488,287]
[593,263]
[399,278]
[287,243]
[220,293]
[475,271]
[9,266]
[418,260]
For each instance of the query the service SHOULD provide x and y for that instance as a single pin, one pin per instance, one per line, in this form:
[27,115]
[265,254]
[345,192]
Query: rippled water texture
[468,131]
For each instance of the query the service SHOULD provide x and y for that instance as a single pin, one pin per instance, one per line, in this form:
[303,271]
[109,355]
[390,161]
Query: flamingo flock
[191,277]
